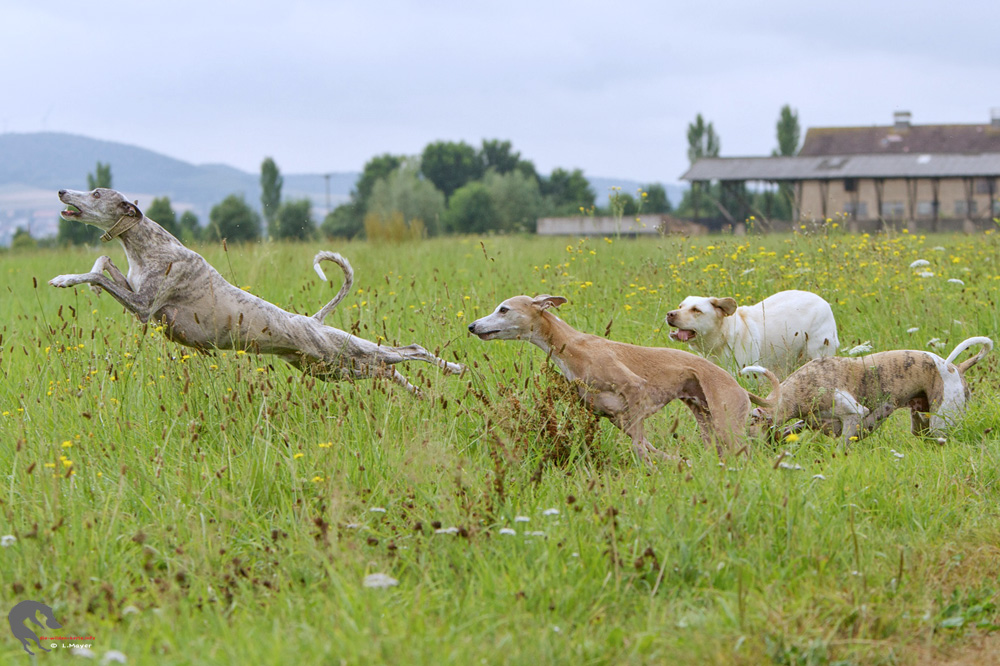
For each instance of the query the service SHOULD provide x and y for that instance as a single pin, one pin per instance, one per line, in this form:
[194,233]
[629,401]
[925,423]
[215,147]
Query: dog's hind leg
[417,353]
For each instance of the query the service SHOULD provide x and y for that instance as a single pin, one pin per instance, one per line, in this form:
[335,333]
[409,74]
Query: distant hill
[34,166]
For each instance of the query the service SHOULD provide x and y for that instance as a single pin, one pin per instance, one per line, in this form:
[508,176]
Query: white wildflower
[819,477]
[521,519]
[130,610]
[748,271]
[446,530]
[380,580]
[863,348]
[82,652]
[935,343]
[113,656]
[534,534]
[376,509]
[896,453]
[7,540]
[354,526]
[938,248]
[920,262]
[508,531]
[550,512]
[791,466]
[926,274]
[913,329]
[956,281]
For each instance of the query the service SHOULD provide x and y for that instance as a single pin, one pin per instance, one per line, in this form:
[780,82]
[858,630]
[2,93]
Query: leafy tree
[472,210]
[567,191]
[499,156]
[271,183]
[72,232]
[343,222]
[101,177]
[190,227]
[376,169]
[405,192]
[517,199]
[234,220]
[22,241]
[702,142]
[655,200]
[293,221]
[161,212]
[450,165]
[789,132]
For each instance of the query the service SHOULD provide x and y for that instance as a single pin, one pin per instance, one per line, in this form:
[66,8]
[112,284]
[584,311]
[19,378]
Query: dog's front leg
[103,264]
[137,303]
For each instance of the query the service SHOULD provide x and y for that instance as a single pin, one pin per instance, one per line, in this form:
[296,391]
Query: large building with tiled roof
[925,176]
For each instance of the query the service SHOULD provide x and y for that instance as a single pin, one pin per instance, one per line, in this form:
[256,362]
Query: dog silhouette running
[26,610]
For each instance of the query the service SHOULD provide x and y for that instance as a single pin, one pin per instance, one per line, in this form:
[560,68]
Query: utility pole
[327,177]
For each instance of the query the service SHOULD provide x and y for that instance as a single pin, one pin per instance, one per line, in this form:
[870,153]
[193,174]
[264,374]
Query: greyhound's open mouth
[486,335]
[683,335]
[72,211]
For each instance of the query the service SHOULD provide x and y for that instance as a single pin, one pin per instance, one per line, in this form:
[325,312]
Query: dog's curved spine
[775,386]
[965,344]
[348,281]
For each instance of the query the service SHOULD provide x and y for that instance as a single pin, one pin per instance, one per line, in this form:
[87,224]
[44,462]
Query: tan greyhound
[626,383]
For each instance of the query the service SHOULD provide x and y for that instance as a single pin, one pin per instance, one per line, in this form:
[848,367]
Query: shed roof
[836,167]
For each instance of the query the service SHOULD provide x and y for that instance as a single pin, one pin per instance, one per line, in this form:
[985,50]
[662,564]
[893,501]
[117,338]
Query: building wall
[895,200]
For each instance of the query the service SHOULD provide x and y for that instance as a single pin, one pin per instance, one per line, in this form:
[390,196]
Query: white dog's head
[699,316]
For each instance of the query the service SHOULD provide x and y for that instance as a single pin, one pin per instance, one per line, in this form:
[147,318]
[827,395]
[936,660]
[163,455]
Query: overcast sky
[608,87]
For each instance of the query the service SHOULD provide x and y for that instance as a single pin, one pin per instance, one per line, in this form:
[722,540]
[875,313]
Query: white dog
[780,333]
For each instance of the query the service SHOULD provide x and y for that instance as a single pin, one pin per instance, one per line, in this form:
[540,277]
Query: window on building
[961,207]
[860,214]
[893,209]
[925,208]
[850,184]
[983,185]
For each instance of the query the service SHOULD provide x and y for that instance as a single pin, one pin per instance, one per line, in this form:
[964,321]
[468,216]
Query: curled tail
[775,386]
[348,281]
[968,363]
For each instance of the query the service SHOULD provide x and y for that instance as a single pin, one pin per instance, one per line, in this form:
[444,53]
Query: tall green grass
[191,508]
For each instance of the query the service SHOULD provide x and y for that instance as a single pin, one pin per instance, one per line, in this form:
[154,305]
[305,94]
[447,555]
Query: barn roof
[901,139]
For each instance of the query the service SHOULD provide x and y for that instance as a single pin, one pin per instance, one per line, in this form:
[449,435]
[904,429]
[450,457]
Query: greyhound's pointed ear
[727,305]
[131,210]
[544,301]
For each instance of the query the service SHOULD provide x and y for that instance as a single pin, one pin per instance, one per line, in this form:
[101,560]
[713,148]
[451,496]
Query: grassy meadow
[203,509]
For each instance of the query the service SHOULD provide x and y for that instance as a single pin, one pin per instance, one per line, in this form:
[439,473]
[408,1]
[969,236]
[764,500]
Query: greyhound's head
[101,208]
[699,316]
[517,318]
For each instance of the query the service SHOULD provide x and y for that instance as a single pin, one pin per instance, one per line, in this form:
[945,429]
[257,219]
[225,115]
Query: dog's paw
[65,281]
[454,368]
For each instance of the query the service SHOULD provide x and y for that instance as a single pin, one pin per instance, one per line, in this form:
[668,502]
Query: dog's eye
[97,195]
[503,309]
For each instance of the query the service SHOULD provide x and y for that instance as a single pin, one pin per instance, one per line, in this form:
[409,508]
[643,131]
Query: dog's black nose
[62,192]
[472,327]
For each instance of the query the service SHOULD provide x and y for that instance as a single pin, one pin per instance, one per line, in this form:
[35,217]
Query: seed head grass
[182,506]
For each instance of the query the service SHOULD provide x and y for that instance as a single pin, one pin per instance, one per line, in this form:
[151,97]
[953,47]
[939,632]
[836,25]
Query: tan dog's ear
[544,301]
[727,305]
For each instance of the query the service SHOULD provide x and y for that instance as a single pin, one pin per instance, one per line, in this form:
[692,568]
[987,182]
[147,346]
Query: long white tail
[771,377]
[965,344]
[348,281]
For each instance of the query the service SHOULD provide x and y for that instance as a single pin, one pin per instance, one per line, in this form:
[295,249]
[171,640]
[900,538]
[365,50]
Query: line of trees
[451,187]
